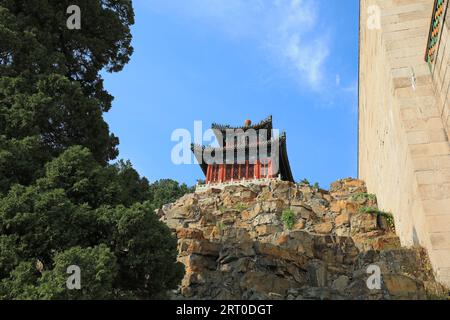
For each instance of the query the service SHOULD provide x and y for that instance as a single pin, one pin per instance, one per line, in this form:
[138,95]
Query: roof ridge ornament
[264,123]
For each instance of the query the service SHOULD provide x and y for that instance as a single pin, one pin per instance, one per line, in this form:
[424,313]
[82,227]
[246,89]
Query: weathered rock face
[288,241]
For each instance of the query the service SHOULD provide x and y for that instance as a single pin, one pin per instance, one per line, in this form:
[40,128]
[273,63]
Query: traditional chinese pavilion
[246,153]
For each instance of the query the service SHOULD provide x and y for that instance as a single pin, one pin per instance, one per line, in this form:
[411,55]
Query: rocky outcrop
[289,241]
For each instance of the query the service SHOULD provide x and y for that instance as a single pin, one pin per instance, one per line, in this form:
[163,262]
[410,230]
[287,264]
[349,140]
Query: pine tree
[61,201]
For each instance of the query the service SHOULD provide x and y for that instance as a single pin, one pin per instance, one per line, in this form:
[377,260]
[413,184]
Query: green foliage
[240,207]
[145,249]
[306,182]
[43,221]
[98,267]
[316,186]
[375,211]
[288,218]
[364,197]
[22,284]
[21,161]
[98,271]
[371,210]
[61,200]
[60,212]
[85,181]
[50,82]
[10,254]
[390,220]
[221,226]
[222,209]
[166,191]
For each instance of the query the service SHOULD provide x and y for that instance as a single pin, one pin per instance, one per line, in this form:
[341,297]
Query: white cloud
[338,80]
[300,41]
[288,30]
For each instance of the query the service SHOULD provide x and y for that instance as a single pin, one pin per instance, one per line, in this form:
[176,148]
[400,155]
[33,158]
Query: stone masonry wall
[404,151]
[289,241]
[441,75]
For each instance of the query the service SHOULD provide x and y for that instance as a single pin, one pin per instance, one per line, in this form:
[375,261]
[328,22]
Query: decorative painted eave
[437,22]
[280,139]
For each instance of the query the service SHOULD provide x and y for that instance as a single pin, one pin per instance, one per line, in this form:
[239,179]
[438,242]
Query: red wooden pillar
[221,170]
[269,169]
[239,171]
[214,170]
[224,172]
[258,169]
[208,174]
[246,170]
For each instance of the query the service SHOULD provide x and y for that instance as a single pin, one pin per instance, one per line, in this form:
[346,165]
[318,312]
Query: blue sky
[229,60]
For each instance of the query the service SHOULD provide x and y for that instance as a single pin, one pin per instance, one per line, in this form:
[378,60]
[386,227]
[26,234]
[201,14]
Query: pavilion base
[220,186]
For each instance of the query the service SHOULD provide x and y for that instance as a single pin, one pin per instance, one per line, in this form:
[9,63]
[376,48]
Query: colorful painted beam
[437,22]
